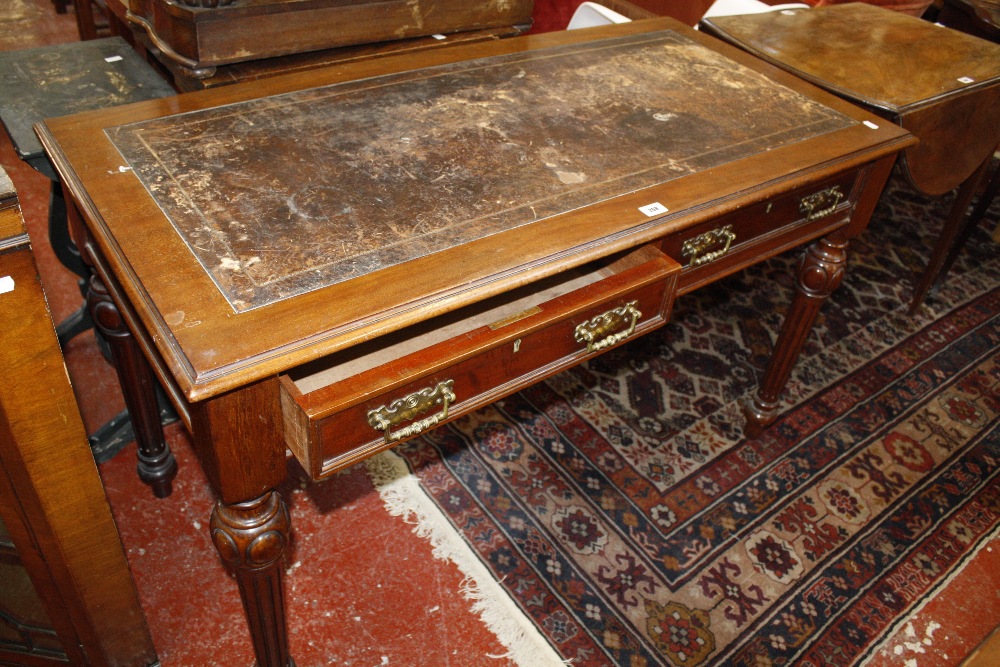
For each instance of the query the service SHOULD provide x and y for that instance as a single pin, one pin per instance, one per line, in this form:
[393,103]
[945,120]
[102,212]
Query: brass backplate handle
[596,332]
[386,417]
[698,247]
[821,203]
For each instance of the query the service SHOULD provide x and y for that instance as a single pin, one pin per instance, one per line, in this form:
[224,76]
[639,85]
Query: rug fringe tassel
[403,496]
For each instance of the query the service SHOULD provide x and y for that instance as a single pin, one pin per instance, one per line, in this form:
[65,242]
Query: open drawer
[352,404]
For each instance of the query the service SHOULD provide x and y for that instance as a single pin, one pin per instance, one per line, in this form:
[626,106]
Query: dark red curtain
[552,15]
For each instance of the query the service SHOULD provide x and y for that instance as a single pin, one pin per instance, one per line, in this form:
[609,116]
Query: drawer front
[736,240]
[409,395]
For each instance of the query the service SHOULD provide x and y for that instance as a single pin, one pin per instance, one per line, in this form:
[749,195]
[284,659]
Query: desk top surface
[253,233]
[287,194]
[875,56]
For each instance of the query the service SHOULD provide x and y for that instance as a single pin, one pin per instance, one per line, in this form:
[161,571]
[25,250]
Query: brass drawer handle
[408,407]
[696,248]
[822,203]
[602,325]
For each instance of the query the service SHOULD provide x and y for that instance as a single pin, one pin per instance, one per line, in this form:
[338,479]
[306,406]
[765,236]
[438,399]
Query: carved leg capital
[821,269]
[251,538]
[251,535]
[157,466]
[820,272]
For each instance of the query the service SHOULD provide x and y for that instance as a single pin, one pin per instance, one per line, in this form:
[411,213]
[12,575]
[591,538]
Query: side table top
[865,53]
[940,84]
[64,79]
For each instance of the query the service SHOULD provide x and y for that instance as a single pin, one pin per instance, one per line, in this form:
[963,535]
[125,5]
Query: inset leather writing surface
[283,195]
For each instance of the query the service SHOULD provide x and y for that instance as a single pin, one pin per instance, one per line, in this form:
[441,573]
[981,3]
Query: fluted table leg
[240,442]
[251,539]
[821,270]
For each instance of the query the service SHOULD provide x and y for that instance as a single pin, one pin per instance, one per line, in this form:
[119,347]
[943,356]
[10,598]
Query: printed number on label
[656,208]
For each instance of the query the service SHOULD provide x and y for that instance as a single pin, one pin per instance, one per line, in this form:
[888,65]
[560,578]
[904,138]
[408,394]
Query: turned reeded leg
[251,539]
[820,271]
[157,466]
[240,442]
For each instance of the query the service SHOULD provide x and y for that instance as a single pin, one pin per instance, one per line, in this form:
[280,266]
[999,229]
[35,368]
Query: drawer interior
[495,313]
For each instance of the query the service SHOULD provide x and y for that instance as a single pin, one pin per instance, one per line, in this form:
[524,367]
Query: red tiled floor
[361,588]
[950,626]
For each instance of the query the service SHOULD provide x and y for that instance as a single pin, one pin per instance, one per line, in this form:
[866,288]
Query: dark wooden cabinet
[66,594]
[203,34]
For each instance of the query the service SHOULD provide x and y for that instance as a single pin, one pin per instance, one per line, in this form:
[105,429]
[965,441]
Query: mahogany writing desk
[335,261]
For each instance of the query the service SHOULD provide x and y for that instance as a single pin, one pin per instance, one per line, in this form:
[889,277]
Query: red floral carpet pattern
[625,513]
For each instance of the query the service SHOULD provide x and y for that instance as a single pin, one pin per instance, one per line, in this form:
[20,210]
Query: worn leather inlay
[286,194]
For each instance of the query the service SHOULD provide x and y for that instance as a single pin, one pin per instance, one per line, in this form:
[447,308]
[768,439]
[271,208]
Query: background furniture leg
[112,436]
[821,270]
[85,22]
[62,244]
[251,539]
[978,212]
[60,238]
[952,230]
[157,466]
[74,325]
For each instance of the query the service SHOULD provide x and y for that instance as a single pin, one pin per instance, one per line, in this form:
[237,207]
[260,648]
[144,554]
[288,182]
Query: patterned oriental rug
[628,519]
